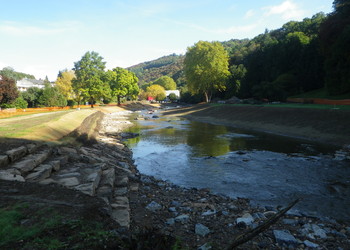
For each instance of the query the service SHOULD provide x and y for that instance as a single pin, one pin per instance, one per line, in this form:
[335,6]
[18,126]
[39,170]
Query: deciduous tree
[8,90]
[167,82]
[206,68]
[64,84]
[89,83]
[156,91]
[123,83]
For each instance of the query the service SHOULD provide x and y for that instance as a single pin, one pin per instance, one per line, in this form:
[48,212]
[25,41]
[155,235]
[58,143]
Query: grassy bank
[43,127]
[330,126]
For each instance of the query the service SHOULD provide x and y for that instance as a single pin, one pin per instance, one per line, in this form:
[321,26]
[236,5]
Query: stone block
[108,177]
[55,164]
[42,172]
[8,176]
[69,182]
[86,188]
[16,153]
[4,161]
[25,166]
[41,157]
[32,147]
[122,217]
[122,181]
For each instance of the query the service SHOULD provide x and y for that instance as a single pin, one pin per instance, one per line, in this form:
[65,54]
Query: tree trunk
[118,100]
[206,97]
[92,103]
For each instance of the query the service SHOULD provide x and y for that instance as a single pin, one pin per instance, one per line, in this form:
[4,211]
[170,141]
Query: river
[269,170]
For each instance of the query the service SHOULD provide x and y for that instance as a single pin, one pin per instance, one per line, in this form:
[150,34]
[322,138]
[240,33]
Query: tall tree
[123,83]
[64,83]
[8,90]
[167,82]
[89,83]
[206,68]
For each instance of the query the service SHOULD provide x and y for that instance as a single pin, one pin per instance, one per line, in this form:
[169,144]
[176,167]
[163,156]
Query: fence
[5,113]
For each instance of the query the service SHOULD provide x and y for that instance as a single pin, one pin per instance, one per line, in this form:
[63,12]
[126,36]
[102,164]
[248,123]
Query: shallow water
[265,168]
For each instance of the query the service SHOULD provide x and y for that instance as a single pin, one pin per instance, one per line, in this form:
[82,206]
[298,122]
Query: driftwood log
[250,234]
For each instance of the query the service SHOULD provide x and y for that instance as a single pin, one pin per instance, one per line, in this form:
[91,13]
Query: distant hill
[171,65]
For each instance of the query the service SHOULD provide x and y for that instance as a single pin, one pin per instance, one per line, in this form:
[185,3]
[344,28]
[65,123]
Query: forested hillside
[171,65]
[298,57]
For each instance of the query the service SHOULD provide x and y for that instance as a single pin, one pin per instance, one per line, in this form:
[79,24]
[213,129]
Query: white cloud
[20,29]
[288,10]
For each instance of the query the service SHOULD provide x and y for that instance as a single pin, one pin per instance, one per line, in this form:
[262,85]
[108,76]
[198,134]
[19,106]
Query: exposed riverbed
[267,169]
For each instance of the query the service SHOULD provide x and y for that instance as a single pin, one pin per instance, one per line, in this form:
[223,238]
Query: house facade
[176,92]
[25,84]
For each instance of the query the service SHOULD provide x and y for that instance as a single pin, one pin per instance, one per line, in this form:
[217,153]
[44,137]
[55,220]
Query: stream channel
[267,169]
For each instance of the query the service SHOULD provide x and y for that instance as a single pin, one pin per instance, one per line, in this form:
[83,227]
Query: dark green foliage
[284,62]
[12,74]
[335,40]
[52,97]
[20,103]
[172,97]
[8,90]
[187,97]
[31,96]
[71,103]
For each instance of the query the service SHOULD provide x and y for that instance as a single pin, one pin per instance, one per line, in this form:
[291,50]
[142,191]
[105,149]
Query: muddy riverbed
[266,169]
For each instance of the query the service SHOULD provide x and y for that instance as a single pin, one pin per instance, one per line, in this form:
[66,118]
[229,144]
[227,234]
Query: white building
[176,92]
[25,84]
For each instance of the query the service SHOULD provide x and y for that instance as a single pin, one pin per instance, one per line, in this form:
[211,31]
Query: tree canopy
[8,90]
[64,83]
[123,83]
[89,83]
[156,91]
[206,68]
[335,40]
[166,82]
[51,97]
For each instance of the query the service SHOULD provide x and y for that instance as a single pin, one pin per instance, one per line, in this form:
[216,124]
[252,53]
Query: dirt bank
[323,125]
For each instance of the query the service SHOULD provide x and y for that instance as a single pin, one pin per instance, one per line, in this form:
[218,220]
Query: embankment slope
[323,125]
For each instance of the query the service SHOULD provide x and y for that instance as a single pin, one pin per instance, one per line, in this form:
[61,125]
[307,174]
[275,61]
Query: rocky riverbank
[148,213]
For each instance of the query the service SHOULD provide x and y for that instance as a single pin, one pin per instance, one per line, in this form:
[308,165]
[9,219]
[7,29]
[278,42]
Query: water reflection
[265,168]
[205,139]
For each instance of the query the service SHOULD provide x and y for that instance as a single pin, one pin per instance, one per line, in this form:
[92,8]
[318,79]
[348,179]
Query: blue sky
[41,37]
